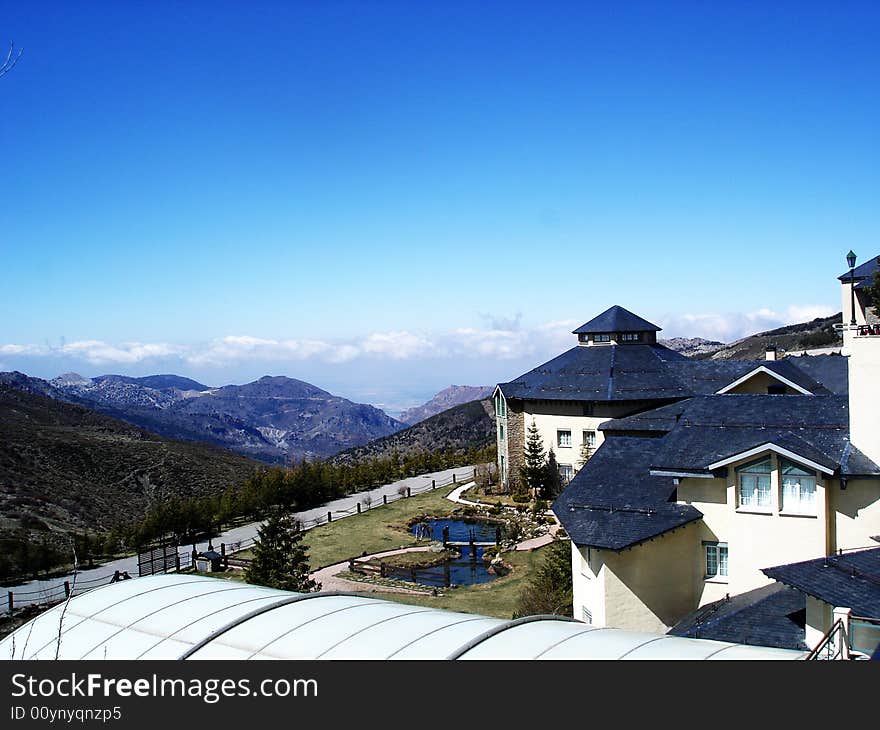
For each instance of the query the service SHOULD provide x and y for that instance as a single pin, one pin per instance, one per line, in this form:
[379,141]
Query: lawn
[384,528]
[496,598]
[381,528]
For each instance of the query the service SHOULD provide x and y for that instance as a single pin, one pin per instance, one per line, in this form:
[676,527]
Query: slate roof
[773,615]
[602,373]
[851,580]
[829,370]
[863,274]
[654,372]
[616,319]
[708,429]
[788,369]
[614,503]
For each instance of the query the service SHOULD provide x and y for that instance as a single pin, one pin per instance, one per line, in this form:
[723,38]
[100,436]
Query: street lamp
[851,262]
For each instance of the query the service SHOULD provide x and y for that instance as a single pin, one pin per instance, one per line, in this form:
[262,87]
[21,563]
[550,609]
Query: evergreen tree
[552,484]
[874,294]
[280,561]
[534,472]
[549,590]
[585,454]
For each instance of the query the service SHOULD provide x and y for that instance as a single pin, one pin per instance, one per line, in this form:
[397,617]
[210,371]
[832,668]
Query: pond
[464,570]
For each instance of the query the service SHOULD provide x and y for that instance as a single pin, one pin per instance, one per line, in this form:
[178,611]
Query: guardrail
[51,595]
[55,594]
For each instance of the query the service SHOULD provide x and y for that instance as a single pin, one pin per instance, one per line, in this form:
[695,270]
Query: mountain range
[818,333]
[454,395]
[460,428]
[273,419]
[65,466]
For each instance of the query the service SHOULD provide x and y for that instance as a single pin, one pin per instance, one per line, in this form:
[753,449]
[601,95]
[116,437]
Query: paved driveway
[41,591]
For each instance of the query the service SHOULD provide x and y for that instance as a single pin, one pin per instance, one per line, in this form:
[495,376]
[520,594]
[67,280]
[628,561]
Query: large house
[710,480]
[618,369]
[733,476]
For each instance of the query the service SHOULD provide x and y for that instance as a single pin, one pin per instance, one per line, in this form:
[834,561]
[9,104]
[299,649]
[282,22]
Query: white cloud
[732,326]
[515,342]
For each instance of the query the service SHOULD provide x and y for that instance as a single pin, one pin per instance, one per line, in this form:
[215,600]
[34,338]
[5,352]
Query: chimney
[770,354]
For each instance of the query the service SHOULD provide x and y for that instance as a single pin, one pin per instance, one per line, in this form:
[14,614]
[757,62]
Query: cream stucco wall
[646,588]
[818,621]
[755,539]
[759,383]
[856,511]
[549,423]
[864,393]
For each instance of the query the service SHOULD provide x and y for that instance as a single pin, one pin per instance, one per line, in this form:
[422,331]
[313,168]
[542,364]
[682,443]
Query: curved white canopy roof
[193,617]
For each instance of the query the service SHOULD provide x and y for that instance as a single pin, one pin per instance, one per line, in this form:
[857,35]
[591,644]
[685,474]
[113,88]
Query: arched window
[500,405]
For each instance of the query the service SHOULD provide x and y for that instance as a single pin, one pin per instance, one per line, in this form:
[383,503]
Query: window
[500,406]
[754,484]
[501,432]
[798,489]
[563,438]
[716,559]
[590,439]
[630,336]
[586,615]
[503,469]
[601,338]
[566,472]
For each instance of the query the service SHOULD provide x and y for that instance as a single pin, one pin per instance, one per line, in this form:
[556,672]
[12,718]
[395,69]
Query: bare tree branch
[11,59]
[67,602]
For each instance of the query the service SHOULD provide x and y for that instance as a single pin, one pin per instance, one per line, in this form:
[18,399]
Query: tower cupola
[617,326]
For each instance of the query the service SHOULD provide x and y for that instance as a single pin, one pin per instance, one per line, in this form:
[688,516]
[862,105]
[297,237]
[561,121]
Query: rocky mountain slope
[818,333]
[274,419]
[63,466]
[693,346]
[467,426]
[454,395]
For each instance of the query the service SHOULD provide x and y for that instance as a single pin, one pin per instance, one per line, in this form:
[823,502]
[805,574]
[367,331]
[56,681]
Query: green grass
[385,528]
[381,528]
[496,598]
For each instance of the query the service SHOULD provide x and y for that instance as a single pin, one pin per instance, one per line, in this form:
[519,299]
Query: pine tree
[534,473]
[552,486]
[585,454]
[280,561]
[874,293]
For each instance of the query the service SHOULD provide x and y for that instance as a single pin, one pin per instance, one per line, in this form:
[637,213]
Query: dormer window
[601,338]
[798,489]
[754,484]
[630,336]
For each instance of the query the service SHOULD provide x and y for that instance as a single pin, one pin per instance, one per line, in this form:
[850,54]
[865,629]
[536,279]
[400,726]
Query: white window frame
[714,549]
[569,472]
[589,438]
[559,432]
[796,483]
[602,338]
[745,477]
[630,336]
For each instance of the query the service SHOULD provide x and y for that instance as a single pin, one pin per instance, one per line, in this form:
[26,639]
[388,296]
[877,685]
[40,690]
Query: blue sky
[384,198]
